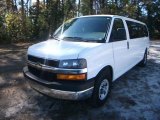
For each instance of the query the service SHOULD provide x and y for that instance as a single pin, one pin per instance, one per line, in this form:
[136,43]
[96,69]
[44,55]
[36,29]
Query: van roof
[126,18]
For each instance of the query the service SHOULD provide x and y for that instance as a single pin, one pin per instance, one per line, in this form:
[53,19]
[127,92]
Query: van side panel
[137,49]
[133,55]
[138,40]
[98,58]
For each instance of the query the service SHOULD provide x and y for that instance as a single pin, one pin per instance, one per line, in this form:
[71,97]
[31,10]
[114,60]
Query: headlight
[73,64]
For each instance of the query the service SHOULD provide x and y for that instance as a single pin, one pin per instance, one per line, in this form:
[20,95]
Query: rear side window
[136,30]
[118,31]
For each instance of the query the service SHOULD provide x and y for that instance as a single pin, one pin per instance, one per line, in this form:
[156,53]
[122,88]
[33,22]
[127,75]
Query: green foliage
[85,7]
[43,27]
[42,18]
[4,36]
[69,9]
[39,24]
[15,28]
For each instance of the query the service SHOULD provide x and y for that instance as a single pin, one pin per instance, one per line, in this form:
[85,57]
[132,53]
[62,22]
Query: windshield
[89,29]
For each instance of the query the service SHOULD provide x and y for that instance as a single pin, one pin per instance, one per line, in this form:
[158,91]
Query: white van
[85,55]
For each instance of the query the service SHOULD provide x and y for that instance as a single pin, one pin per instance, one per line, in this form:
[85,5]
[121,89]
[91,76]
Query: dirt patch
[135,95]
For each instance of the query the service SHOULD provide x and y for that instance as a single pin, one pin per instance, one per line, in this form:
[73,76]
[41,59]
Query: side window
[118,31]
[133,29]
[142,30]
[136,30]
[145,31]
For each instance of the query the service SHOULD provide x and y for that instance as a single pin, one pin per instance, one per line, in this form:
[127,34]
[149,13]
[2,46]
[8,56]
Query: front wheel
[101,91]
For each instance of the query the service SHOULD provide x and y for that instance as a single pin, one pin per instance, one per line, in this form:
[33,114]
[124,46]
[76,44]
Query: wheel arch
[106,69]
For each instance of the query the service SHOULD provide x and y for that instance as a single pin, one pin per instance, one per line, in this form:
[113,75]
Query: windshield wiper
[79,38]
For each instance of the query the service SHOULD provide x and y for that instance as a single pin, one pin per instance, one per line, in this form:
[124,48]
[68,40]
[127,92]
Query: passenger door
[120,47]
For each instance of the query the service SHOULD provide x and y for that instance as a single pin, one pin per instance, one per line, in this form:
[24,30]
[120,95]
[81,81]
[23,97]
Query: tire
[101,90]
[143,62]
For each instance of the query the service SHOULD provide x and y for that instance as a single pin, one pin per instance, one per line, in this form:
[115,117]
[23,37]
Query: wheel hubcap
[103,89]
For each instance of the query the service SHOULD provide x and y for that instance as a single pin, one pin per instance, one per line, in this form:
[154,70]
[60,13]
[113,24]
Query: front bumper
[61,90]
[60,94]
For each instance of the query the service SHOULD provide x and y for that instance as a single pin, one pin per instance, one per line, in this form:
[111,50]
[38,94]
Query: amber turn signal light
[71,77]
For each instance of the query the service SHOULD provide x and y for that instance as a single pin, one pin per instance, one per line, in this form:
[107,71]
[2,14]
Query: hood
[53,49]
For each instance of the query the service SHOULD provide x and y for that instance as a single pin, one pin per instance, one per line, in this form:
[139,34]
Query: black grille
[48,76]
[53,63]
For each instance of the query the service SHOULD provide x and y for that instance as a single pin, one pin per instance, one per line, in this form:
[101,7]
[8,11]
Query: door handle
[127,45]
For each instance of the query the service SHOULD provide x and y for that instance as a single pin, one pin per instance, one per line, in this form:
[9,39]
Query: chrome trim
[60,94]
[56,70]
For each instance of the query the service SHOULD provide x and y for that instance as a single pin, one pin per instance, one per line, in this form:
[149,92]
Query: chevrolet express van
[85,55]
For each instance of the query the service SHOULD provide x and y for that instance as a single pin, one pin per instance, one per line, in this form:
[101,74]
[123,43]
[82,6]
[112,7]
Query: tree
[87,7]
[23,15]
[37,21]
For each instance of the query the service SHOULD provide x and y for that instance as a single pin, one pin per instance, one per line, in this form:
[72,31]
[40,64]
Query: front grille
[53,63]
[47,76]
